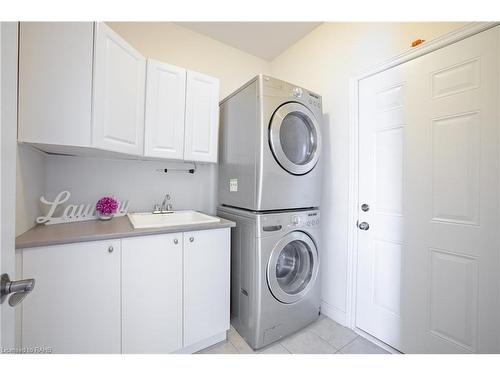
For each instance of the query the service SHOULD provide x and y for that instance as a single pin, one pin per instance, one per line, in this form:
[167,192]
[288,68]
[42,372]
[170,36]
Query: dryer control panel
[276,87]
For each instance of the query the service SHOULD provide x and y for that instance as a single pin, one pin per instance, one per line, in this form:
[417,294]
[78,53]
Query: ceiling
[262,39]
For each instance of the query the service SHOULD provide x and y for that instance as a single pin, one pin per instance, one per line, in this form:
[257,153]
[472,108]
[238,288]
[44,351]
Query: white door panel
[165,108]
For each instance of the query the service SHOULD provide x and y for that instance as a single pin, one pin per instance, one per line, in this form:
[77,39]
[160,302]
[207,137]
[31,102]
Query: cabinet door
[55,83]
[152,294]
[206,284]
[75,306]
[119,85]
[202,118]
[165,107]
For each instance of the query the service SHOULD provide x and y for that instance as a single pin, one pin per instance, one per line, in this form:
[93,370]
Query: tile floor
[322,337]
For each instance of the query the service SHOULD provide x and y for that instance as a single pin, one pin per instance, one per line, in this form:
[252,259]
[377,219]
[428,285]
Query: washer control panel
[273,223]
[306,219]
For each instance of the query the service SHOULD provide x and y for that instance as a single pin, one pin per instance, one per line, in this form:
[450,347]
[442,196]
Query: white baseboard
[333,313]
[202,344]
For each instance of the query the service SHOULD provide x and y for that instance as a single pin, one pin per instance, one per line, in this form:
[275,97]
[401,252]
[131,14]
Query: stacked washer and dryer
[270,185]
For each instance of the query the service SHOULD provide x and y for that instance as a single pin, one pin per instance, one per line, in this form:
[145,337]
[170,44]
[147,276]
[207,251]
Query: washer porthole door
[293,267]
[295,138]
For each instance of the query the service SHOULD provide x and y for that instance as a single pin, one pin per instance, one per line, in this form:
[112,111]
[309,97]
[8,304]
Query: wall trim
[353,199]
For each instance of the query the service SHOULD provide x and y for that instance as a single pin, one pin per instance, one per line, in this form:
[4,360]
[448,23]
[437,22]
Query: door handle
[17,289]
[364,225]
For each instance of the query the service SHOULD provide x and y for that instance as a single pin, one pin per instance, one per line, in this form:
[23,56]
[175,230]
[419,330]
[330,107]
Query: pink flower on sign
[106,206]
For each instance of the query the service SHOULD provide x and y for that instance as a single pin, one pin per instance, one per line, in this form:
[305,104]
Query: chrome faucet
[165,207]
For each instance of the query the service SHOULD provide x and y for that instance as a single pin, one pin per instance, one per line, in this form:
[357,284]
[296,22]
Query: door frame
[454,36]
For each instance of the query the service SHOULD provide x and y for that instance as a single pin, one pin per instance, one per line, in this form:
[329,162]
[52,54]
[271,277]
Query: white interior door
[451,276]
[8,133]
[427,278]
[381,188]
[1,180]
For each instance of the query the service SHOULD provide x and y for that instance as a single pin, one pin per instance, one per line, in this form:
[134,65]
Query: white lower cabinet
[75,306]
[206,284]
[152,294]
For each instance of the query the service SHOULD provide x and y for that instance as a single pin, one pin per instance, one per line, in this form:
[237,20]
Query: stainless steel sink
[141,220]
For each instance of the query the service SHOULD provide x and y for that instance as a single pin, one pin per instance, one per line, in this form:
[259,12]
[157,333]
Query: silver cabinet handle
[176,241]
[365,207]
[110,249]
[191,239]
[18,289]
[364,225]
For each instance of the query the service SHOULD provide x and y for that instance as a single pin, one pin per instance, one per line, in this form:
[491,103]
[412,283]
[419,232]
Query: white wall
[324,61]
[88,179]
[30,186]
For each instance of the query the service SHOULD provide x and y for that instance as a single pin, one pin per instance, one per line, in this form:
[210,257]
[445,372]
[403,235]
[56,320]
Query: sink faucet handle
[156,208]
[166,205]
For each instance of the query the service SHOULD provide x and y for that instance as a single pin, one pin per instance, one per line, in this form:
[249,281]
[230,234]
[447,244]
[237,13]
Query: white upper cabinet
[119,84]
[202,118]
[55,83]
[165,108]
[81,86]
[83,90]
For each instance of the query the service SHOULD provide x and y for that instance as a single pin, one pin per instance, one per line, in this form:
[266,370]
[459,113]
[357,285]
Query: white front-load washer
[275,289]
[270,146]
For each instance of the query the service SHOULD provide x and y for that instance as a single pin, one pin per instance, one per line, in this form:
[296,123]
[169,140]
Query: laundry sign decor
[73,212]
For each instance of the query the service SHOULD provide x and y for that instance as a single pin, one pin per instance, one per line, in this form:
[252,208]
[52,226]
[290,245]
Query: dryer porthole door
[293,267]
[295,138]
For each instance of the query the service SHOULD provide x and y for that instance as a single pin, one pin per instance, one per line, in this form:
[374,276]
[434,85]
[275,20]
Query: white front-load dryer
[270,146]
[275,289]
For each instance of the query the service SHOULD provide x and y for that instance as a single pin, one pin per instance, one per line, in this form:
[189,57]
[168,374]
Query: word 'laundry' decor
[73,212]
